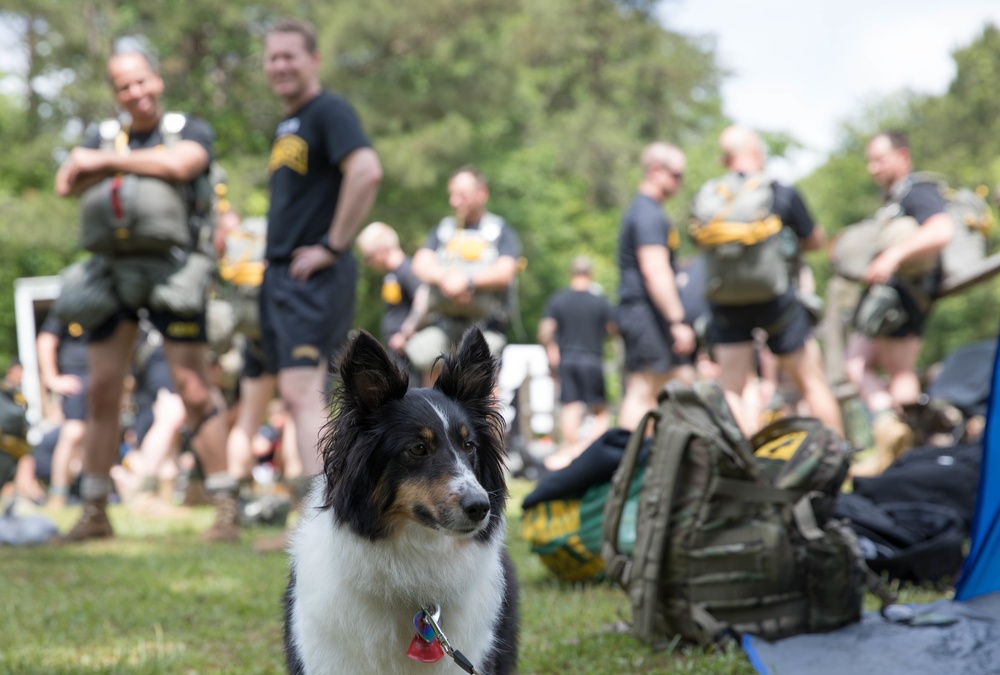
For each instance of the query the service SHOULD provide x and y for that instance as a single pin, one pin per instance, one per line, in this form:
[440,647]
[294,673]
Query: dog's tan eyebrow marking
[463,431]
[427,435]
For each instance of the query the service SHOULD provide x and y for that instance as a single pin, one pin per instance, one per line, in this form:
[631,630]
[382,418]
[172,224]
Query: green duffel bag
[130,214]
[566,534]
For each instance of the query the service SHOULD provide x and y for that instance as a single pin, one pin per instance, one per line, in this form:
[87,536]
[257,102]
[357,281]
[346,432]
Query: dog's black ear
[470,373]
[370,378]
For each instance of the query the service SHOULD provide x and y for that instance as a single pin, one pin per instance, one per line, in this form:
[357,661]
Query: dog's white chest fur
[355,599]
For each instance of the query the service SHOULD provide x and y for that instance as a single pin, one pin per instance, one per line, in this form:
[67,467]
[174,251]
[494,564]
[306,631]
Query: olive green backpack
[729,541]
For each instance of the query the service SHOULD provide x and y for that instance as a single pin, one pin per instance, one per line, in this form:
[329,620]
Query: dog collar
[430,644]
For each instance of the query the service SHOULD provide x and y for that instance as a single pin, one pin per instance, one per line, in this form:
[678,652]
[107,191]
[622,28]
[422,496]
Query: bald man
[404,295]
[784,318]
[470,263]
[650,316]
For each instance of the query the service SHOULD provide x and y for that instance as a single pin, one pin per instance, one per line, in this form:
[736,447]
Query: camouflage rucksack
[733,222]
[729,542]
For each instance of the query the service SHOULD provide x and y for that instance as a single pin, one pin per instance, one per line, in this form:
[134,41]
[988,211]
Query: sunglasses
[678,175]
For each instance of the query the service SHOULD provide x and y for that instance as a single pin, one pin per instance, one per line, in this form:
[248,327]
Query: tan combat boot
[226,527]
[93,523]
[892,438]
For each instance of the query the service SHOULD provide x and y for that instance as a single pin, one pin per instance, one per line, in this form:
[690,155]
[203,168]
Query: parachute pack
[151,239]
[469,250]
[234,305]
[129,214]
[733,222]
[858,245]
[13,433]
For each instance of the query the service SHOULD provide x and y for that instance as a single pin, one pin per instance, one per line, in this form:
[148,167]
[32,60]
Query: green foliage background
[553,100]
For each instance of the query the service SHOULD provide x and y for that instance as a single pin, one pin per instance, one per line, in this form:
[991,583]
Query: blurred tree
[552,100]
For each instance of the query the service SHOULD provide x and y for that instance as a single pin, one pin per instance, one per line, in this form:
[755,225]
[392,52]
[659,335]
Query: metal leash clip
[431,615]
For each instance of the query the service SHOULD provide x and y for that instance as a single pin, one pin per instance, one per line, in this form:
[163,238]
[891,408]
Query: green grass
[156,600]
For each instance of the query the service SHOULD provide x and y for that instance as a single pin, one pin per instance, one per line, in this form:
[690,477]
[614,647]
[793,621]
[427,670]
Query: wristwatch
[325,243]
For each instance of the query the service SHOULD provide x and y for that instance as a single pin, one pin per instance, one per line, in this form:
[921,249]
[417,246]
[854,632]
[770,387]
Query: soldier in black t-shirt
[784,319]
[177,150]
[650,315]
[324,176]
[573,328]
[895,355]
[62,366]
[403,295]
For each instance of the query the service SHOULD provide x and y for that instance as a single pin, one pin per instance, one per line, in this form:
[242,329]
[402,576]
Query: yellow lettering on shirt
[290,151]
[392,292]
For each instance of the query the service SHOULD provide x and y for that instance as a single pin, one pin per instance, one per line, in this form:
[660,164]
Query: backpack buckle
[619,569]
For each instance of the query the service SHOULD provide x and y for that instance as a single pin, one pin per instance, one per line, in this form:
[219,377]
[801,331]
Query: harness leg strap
[189,435]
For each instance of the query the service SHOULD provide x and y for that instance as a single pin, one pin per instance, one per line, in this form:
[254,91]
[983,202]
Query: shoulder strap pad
[171,126]
[110,133]
[446,229]
[491,226]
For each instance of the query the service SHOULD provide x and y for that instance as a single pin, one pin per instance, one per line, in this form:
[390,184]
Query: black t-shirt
[71,354]
[398,289]
[789,206]
[922,201]
[581,321]
[195,129]
[643,224]
[305,172]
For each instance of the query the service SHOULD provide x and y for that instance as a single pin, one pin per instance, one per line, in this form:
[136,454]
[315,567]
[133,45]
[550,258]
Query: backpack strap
[171,126]
[618,565]
[656,507]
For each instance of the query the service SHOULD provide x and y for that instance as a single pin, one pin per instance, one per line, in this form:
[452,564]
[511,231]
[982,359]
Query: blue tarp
[981,572]
[970,646]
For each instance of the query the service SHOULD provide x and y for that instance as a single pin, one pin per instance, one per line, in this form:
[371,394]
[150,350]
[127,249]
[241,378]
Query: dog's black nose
[476,508]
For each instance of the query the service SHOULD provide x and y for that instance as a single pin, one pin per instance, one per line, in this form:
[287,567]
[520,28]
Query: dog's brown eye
[419,450]
[470,446]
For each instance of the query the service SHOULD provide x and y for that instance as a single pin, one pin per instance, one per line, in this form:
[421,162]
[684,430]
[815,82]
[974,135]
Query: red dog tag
[423,651]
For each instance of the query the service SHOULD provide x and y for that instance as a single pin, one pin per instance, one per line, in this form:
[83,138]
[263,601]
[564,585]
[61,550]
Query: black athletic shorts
[156,377]
[75,407]
[581,378]
[303,323]
[171,326]
[785,320]
[254,362]
[648,343]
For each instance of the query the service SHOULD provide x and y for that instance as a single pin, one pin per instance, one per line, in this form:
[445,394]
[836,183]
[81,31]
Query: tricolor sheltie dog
[408,514]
